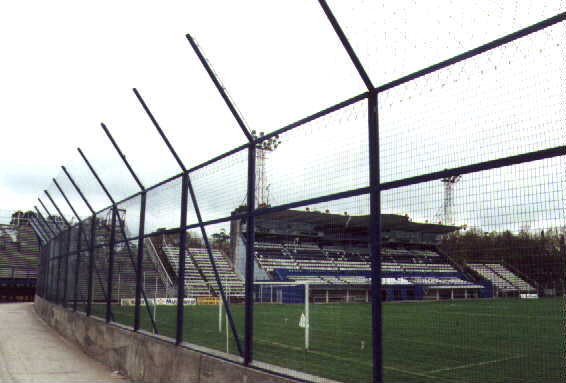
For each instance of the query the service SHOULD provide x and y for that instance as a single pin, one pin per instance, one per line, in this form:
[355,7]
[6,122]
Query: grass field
[482,341]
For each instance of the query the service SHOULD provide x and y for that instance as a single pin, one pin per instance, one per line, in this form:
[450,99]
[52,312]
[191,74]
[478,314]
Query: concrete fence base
[145,358]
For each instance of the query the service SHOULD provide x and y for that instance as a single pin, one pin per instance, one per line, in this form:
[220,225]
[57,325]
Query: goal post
[279,293]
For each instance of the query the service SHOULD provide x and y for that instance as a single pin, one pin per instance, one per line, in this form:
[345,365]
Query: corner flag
[303,321]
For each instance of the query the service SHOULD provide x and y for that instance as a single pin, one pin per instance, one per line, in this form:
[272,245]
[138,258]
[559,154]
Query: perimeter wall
[144,358]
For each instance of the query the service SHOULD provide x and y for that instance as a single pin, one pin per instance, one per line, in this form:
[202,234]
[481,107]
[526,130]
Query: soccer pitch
[481,341]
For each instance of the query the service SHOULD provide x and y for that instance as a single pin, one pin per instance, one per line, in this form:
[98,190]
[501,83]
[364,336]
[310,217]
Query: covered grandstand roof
[389,221]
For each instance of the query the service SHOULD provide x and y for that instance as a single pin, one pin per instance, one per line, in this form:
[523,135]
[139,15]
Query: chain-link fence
[412,233]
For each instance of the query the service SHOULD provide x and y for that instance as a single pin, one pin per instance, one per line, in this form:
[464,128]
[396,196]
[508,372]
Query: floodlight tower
[263,148]
[447,207]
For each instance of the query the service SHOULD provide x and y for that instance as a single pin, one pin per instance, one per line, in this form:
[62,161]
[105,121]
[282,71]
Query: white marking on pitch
[476,364]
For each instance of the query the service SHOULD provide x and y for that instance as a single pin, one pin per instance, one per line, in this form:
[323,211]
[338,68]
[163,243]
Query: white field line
[422,375]
[529,317]
[476,364]
[447,345]
[351,360]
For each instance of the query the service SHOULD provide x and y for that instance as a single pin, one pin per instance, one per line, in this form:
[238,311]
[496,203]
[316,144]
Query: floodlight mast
[448,203]
[263,148]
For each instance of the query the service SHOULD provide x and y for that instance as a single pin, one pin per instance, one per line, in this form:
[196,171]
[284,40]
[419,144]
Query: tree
[17,218]
[221,241]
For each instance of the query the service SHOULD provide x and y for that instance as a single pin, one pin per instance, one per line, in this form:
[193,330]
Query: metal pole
[47,286]
[58,259]
[113,205]
[59,251]
[97,177]
[42,271]
[247,354]
[91,254]
[155,300]
[140,185]
[138,266]
[57,208]
[375,196]
[346,44]
[44,222]
[78,190]
[220,316]
[56,222]
[45,283]
[77,267]
[90,247]
[139,269]
[182,260]
[183,223]
[44,261]
[184,200]
[250,247]
[66,266]
[375,237]
[307,318]
[159,130]
[65,281]
[38,226]
[220,89]
[66,199]
[111,265]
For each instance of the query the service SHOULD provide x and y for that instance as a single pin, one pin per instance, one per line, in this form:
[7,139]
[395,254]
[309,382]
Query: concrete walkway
[30,351]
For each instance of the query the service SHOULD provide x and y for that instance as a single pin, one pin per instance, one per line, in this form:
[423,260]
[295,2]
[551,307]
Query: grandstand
[19,261]
[124,276]
[502,278]
[331,252]
[328,251]
[200,280]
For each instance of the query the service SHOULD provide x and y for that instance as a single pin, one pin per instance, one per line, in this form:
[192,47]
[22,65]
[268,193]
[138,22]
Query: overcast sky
[67,66]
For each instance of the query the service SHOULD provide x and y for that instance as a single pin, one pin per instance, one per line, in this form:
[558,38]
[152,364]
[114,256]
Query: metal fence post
[90,246]
[39,283]
[45,254]
[249,275]
[91,251]
[58,260]
[60,249]
[111,264]
[374,191]
[139,270]
[66,266]
[182,252]
[68,243]
[138,264]
[47,284]
[375,236]
[46,272]
[77,267]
